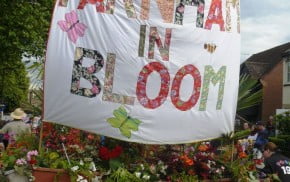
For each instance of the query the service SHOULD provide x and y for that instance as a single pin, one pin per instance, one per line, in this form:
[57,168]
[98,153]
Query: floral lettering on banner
[175,97]
[142,41]
[235,4]
[215,15]
[130,10]
[102,6]
[86,72]
[166,8]
[180,7]
[142,82]
[212,77]
[75,29]
[108,94]
[163,49]
[145,6]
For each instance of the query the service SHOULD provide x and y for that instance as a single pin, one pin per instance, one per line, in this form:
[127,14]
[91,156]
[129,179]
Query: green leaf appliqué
[125,123]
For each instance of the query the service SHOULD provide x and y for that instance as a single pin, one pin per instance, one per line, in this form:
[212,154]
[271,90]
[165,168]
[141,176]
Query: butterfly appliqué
[124,122]
[72,26]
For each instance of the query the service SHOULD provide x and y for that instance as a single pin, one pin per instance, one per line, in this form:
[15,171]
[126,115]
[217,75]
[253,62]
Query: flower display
[85,156]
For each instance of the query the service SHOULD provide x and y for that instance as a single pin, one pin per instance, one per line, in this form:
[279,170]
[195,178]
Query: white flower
[147,177]
[80,178]
[138,174]
[93,166]
[75,168]
[163,169]
[142,166]
[81,162]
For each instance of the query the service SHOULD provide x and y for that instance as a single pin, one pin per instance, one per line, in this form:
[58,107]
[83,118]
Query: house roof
[261,63]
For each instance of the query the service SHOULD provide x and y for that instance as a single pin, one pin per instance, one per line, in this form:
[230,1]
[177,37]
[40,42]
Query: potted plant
[16,167]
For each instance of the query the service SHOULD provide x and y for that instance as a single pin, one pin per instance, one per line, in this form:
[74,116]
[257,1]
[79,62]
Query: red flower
[32,161]
[106,154]
[116,152]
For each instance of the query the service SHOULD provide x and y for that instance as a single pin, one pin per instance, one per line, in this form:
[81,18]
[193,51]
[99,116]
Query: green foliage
[122,175]
[8,161]
[184,177]
[283,121]
[242,169]
[234,136]
[249,94]
[30,142]
[14,84]
[24,27]
[23,33]
[115,164]
[241,134]
[52,160]
[283,138]
[33,106]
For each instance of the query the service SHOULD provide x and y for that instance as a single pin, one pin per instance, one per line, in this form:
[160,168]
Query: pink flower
[95,89]
[21,162]
[31,154]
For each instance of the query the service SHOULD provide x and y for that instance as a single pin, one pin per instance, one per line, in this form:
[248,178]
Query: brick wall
[272,91]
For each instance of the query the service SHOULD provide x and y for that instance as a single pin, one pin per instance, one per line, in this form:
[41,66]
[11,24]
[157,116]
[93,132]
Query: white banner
[158,72]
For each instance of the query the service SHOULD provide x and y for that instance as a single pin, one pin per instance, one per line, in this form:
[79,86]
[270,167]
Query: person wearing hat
[276,163]
[17,126]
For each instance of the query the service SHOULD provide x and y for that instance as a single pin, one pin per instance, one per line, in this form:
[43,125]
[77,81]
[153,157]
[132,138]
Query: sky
[264,24]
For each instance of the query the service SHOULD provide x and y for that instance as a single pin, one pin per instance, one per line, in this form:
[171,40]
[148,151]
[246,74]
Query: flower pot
[13,176]
[49,175]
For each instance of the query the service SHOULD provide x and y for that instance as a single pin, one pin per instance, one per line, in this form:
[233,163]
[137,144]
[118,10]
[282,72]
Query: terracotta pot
[49,175]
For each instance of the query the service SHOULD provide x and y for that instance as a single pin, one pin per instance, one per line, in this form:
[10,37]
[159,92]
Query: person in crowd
[29,121]
[276,163]
[254,133]
[262,137]
[270,126]
[17,126]
[246,126]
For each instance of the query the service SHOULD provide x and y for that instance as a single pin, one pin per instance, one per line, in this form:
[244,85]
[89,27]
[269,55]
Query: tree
[14,84]
[24,28]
